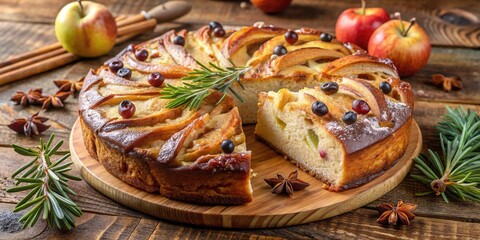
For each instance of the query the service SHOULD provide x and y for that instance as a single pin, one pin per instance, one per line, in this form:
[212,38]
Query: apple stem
[82,13]
[412,22]
[364,5]
[398,16]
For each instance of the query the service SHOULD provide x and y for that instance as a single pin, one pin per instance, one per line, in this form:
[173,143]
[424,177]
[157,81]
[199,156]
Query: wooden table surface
[26,25]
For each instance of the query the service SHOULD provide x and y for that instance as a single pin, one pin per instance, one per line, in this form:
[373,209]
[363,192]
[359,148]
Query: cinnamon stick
[37,67]
[59,57]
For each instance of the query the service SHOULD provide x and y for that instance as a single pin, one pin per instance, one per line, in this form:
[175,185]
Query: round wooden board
[267,209]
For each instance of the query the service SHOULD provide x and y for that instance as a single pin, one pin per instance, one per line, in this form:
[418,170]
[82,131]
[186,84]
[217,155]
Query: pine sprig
[456,172]
[200,83]
[47,181]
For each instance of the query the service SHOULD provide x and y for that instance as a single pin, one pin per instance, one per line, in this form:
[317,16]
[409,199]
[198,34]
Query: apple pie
[199,155]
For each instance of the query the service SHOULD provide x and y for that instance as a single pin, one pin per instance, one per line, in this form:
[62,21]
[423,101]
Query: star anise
[34,96]
[55,100]
[391,214]
[72,86]
[286,185]
[28,126]
[447,83]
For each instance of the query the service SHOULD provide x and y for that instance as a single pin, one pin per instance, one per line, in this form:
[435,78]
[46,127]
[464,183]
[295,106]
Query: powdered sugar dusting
[367,130]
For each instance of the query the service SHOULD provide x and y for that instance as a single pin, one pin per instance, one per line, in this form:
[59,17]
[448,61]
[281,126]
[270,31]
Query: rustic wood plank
[358,224]
[22,37]
[433,15]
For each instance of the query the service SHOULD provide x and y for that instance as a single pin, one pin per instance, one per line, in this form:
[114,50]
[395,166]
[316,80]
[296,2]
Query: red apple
[356,25]
[408,47]
[86,29]
[271,6]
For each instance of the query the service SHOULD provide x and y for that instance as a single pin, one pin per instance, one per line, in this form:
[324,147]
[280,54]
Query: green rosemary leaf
[24,151]
[47,182]
[60,160]
[200,83]
[50,140]
[55,148]
[63,199]
[30,171]
[45,210]
[29,195]
[456,172]
[30,213]
[61,167]
[28,204]
[52,175]
[29,180]
[56,207]
[71,177]
[22,188]
[22,168]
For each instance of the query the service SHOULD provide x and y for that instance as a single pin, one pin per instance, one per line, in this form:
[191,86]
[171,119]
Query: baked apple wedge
[357,64]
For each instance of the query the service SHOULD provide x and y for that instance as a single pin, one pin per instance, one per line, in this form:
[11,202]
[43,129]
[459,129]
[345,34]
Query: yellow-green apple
[356,25]
[86,28]
[408,48]
[271,6]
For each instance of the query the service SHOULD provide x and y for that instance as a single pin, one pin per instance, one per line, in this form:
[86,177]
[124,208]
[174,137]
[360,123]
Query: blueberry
[227,146]
[319,108]
[349,117]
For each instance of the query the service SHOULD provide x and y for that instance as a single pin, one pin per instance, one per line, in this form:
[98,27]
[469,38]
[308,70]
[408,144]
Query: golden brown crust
[128,168]
[212,179]
[364,165]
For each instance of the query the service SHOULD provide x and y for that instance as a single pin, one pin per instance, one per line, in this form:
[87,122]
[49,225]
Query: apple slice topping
[302,56]
[373,96]
[236,46]
[177,51]
[333,46]
[266,50]
[354,65]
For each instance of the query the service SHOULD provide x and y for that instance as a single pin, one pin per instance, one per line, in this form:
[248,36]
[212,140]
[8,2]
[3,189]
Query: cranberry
[329,87]
[141,54]
[126,109]
[227,146]
[179,40]
[214,25]
[279,50]
[155,79]
[124,73]
[385,87]
[360,106]
[325,37]
[131,47]
[291,37]
[218,32]
[115,66]
[319,108]
[323,153]
[349,117]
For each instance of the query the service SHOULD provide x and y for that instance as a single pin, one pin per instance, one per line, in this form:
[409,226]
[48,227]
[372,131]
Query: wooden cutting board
[267,209]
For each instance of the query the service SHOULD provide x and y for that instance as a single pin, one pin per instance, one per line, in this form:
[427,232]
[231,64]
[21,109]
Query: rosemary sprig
[47,181]
[456,172]
[200,83]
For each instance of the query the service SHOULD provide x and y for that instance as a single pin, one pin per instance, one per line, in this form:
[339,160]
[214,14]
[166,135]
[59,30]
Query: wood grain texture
[27,25]
[267,209]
